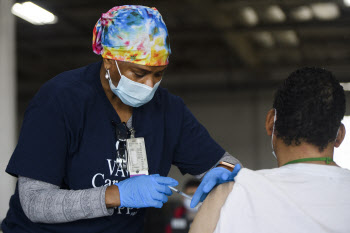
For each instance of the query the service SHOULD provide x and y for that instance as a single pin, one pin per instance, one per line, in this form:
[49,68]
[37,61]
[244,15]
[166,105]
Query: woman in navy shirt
[97,142]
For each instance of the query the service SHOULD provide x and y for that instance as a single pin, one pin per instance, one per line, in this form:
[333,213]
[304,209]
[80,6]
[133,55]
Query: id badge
[137,157]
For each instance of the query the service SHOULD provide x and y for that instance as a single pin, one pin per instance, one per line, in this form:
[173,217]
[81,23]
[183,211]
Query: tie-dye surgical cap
[134,34]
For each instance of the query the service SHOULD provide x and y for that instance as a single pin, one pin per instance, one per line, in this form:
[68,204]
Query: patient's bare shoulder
[209,213]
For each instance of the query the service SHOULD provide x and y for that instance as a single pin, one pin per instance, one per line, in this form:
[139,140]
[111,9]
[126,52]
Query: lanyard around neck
[326,159]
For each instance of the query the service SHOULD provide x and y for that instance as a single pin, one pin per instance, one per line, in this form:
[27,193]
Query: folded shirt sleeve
[227,157]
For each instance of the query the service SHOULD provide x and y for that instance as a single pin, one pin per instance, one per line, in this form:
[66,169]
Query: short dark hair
[310,105]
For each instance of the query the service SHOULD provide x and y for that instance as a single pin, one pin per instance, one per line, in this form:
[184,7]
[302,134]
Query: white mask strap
[337,134]
[273,132]
[274,121]
[118,67]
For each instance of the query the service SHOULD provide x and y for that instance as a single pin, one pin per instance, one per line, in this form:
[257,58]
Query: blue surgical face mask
[132,93]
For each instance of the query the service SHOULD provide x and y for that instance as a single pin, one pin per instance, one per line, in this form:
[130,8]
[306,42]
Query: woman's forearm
[46,203]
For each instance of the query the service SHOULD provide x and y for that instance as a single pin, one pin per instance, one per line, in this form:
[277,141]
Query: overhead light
[33,13]
[288,37]
[302,13]
[275,14]
[249,16]
[347,2]
[346,86]
[325,11]
[264,38]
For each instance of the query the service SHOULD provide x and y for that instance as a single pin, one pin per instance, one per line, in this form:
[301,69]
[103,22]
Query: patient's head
[310,105]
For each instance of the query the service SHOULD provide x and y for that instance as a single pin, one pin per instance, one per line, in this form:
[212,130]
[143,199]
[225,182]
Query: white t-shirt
[294,198]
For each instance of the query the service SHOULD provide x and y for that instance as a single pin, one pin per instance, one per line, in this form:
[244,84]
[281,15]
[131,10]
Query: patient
[308,192]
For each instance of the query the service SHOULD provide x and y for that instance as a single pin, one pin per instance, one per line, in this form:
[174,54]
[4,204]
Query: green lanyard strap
[326,159]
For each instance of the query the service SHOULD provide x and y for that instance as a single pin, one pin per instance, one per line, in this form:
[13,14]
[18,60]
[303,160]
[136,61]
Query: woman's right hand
[145,191]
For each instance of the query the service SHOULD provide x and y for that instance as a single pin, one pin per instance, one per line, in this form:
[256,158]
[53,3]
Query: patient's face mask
[273,132]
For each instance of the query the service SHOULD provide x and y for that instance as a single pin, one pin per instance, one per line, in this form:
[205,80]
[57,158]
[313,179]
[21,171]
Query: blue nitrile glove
[145,191]
[214,177]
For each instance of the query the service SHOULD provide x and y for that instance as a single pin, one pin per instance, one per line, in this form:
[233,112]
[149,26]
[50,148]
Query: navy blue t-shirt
[67,139]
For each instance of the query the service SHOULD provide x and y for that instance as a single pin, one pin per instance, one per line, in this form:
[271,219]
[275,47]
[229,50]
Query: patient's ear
[269,121]
[341,135]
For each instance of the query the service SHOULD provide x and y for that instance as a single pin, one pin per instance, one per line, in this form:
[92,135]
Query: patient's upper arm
[209,213]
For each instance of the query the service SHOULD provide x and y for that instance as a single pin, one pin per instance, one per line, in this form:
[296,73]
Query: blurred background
[228,57]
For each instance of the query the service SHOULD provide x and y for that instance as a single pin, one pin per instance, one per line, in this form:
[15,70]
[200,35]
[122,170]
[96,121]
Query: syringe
[181,193]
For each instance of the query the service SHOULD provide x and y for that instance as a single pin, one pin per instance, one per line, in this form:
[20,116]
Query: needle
[181,193]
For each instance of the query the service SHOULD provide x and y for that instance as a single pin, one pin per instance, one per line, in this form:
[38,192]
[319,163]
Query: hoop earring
[107,75]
